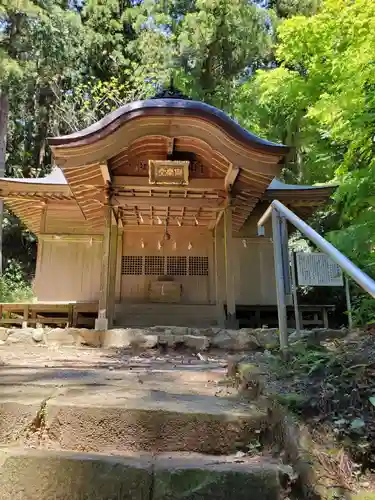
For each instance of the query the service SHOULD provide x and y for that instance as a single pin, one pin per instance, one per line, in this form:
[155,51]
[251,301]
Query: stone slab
[46,475]
[158,422]
[136,409]
[128,337]
[61,336]
[49,475]
[197,477]
[136,403]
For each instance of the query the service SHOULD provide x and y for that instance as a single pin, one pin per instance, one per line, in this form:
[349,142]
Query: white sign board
[317,269]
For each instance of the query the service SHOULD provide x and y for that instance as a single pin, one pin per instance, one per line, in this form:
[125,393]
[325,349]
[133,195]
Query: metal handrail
[360,277]
[280,214]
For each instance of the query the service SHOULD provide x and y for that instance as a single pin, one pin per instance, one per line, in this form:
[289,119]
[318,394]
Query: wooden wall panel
[66,218]
[68,270]
[254,272]
[267,266]
[196,289]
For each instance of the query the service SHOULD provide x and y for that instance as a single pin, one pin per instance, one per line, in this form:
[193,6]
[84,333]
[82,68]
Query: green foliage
[293,401]
[13,285]
[217,42]
[334,387]
[106,48]
[364,496]
[87,103]
[320,100]
[363,309]
[41,44]
[290,8]
[205,45]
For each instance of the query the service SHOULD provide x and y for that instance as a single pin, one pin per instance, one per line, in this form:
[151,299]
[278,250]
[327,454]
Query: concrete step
[49,475]
[161,407]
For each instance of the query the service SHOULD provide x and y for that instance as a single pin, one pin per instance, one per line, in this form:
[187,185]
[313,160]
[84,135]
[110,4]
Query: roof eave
[165,107]
[312,192]
[10,186]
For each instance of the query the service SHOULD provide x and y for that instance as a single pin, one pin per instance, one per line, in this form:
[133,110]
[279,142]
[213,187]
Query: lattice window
[157,265]
[198,266]
[154,265]
[132,264]
[176,266]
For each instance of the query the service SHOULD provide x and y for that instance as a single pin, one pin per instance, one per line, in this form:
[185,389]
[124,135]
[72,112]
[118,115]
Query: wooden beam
[160,201]
[231,177]
[76,238]
[32,187]
[132,182]
[170,145]
[43,221]
[105,173]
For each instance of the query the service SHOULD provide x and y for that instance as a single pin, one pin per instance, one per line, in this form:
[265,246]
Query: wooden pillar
[101,323]
[229,270]
[216,250]
[120,231]
[218,274]
[112,271]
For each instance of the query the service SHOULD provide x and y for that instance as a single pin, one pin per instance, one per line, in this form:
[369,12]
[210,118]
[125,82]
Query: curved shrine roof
[54,178]
[165,107]
[244,164]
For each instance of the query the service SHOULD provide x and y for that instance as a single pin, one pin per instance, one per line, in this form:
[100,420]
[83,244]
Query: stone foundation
[245,339]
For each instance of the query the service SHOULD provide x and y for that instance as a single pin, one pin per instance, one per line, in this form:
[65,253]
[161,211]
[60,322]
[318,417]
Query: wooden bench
[49,313]
[255,316]
[314,315]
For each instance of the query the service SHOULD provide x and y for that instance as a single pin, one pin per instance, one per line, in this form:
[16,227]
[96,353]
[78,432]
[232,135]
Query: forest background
[300,72]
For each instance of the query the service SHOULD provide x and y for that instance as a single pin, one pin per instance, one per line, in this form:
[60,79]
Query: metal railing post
[277,210]
[280,279]
[285,253]
[294,291]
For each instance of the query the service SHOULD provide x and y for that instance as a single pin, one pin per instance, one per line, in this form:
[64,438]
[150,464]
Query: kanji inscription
[169,172]
[317,269]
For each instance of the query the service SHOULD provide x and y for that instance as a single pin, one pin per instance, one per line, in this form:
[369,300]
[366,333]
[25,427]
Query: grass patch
[13,286]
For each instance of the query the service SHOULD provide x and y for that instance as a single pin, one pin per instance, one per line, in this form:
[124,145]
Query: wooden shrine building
[151,213]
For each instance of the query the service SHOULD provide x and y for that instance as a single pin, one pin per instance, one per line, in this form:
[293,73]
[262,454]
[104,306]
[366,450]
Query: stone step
[48,475]
[194,315]
[149,321]
[163,305]
[155,408]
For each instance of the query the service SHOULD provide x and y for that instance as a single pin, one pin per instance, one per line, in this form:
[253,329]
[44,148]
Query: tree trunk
[4,111]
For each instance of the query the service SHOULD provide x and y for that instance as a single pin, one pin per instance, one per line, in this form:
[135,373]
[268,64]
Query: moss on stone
[201,484]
